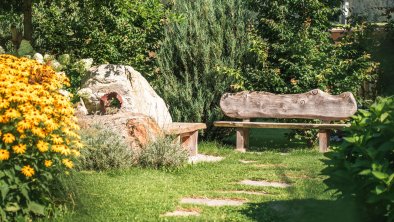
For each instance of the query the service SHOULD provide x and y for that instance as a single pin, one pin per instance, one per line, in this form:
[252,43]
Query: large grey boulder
[137,96]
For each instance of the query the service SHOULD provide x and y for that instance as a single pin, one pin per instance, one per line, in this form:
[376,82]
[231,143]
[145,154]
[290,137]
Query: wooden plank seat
[186,134]
[314,104]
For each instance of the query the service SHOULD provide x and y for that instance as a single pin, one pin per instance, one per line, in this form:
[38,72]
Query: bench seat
[186,134]
[238,124]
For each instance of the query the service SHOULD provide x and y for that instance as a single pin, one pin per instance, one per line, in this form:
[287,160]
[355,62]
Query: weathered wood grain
[236,124]
[314,104]
[324,140]
[180,128]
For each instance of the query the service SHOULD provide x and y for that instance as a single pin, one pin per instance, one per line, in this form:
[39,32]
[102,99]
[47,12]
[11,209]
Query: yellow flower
[8,138]
[75,153]
[38,132]
[58,148]
[68,163]
[48,163]
[20,148]
[77,144]
[57,139]
[12,114]
[4,154]
[42,146]
[27,171]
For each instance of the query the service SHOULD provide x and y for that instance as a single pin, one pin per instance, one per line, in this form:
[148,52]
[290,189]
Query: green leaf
[12,207]
[380,175]
[36,208]
[365,172]
[390,180]
[380,189]
[25,192]
[4,191]
[384,116]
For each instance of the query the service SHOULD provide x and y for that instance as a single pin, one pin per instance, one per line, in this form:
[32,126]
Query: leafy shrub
[38,136]
[163,153]
[295,52]
[199,58]
[104,150]
[363,166]
[117,31]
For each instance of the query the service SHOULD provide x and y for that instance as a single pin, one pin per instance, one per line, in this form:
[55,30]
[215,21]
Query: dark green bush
[295,53]
[116,31]
[104,150]
[163,154]
[363,166]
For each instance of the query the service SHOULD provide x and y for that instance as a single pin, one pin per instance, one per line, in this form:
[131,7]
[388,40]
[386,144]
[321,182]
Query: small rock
[264,183]
[245,192]
[181,213]
[204,158]
[247,161]
[213,202]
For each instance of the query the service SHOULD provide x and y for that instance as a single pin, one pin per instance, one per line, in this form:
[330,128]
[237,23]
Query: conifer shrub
[362,168]
[200,56]
[38,139]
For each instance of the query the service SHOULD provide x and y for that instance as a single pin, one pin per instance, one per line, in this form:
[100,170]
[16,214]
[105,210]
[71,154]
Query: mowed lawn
[139,194]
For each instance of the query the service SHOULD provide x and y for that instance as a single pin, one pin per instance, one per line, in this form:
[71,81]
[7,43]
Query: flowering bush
[38,138]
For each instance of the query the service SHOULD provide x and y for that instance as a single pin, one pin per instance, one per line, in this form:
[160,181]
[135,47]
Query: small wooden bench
[314,104]
[186,134]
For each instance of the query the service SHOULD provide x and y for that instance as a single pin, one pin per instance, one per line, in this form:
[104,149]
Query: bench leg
[242,139]
[324,140]
[189,141]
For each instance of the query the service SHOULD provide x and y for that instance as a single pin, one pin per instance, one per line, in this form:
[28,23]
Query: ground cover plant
[38,137]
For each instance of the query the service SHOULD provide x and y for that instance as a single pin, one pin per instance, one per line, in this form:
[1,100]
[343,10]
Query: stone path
[204,158]
[247,161]
[264,183]
[225,201]
[270,165]
[245,192]
[212,202]
[182,213]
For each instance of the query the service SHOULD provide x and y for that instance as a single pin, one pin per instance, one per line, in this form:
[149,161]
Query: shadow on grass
[305,210]
[268,140]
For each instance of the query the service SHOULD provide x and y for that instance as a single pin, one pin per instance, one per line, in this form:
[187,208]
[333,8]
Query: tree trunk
[27,20]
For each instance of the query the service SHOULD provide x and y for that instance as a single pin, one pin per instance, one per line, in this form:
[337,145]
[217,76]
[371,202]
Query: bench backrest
[314,104]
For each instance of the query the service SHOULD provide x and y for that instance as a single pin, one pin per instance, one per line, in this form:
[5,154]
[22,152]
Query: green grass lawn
[144,194]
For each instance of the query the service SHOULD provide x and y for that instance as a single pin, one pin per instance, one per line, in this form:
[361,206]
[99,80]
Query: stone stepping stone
[264,183]
[204,158]
[181,213]
[247,161]
[245,192]
[212,202]
[270,165]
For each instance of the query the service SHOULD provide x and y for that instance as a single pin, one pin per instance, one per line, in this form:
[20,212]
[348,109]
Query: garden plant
[38,137]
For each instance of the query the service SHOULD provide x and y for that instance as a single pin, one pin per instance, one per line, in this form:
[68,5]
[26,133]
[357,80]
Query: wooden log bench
[314,104]
[186,134]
